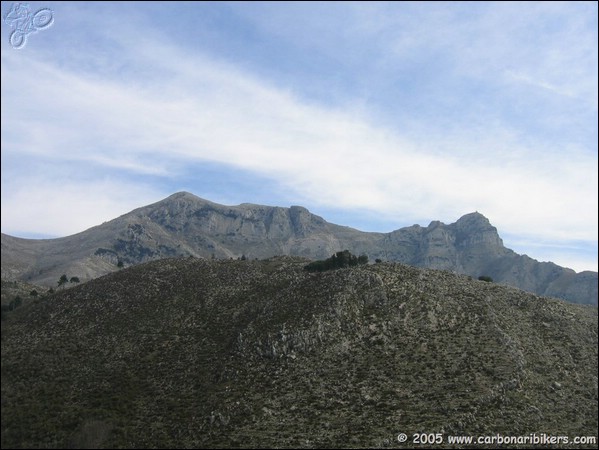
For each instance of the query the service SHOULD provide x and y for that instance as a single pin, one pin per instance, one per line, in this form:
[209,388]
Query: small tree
[63,280]
[485,278]
[33,293]
[74,280]
[18,301]
[336,261]
[120,264]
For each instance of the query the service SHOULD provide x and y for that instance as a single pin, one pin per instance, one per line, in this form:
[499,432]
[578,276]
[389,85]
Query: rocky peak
[300,219]
[473,220]
[177,210]
[180,199]
[474,229]
[434,224]
[182,195]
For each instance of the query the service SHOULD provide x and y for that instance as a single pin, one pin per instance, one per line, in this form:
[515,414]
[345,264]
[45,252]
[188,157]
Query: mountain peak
[474,228]
[182,195]
[474,217]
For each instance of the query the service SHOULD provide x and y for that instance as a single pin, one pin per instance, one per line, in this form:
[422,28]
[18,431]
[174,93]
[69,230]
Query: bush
[485,278]
[337,261]
[63,280]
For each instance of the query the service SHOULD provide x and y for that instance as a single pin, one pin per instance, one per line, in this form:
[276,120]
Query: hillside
[12,289]
[197,353]
[184,225]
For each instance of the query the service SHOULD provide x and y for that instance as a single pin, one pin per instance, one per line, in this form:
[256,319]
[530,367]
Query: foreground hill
[184,224]
[195,353]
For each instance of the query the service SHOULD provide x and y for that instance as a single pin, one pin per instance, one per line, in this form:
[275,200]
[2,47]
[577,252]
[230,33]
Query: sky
[372,115]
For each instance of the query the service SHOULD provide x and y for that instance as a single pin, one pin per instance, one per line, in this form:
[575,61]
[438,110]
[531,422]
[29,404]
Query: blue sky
[372,115]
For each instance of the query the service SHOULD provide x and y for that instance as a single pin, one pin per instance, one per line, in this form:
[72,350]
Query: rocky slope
[196,353]
[184,224]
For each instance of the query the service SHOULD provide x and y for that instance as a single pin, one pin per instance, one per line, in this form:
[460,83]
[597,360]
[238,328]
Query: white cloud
[193,108]
[58,207]
[575,255]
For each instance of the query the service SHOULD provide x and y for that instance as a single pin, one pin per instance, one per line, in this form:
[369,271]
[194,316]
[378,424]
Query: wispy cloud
[54,205]
[160,109]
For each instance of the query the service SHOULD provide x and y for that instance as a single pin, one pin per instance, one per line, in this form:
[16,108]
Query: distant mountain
[183,225]
[194,353]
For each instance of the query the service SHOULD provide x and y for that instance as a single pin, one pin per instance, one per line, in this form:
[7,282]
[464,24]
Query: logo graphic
[25,22]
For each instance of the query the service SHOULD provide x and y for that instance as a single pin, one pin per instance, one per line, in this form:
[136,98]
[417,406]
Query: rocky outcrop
[185,225]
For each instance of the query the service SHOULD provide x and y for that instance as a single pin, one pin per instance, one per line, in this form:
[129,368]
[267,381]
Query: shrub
[337,261]
[63,280]
[485,278]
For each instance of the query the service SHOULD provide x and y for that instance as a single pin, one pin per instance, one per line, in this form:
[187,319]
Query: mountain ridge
[186,225]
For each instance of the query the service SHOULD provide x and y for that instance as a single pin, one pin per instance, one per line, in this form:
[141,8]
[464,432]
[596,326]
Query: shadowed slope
[194,353]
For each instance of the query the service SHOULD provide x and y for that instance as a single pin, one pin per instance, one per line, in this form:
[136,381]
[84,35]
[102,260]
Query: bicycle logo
[25,22]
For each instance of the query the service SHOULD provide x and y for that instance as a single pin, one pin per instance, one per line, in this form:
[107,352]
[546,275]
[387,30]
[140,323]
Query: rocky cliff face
[184,225]
[463,247]
[192,353]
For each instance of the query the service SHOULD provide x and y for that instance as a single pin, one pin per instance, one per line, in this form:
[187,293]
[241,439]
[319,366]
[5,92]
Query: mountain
[194,353]
[184,224]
